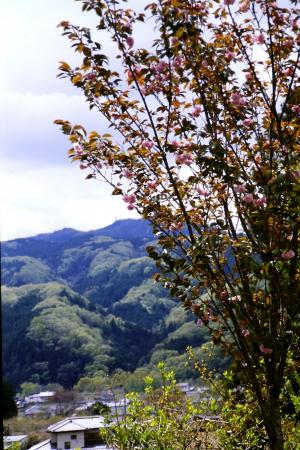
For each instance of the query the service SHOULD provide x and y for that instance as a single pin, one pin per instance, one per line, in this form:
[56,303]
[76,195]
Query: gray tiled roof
[77,423]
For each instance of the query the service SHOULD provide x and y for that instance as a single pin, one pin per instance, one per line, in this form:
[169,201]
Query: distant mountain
[74,303]
[136,231]
[63,235]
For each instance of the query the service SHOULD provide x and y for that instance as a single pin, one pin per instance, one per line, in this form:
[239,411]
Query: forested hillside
[76,303]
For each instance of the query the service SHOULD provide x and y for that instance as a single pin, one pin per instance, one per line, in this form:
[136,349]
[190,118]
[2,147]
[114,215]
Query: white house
[185,387]
[118,407]
[74,432]
[19,439]
[42,397]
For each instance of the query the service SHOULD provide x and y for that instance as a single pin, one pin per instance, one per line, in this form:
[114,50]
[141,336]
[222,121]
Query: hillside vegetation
[78,303]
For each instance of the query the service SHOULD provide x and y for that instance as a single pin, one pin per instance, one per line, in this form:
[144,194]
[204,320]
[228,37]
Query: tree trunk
[272,422]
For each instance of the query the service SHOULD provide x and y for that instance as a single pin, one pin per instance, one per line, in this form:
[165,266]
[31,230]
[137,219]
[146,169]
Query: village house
[9,441]
[42,397]
[74,432]
[185,387]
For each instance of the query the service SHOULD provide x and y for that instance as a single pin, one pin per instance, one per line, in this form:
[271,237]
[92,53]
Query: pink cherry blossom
[90,76]
[177,62]
[259,38]
[129,198]
[245,332]
[202,191]
[138,71]
[289,254]
[265,350]
[161,66]
[239,189]
[260,201]
[147,144]
[248,198]
[230,55]
[175,143]
[83,166]
[247,122]
[151,184]
[130,41]
[127,173]
[196,111]
[184,159]
[129,75]
[130,206]
[144,90]
[237,100]
[289,72]
[77,149]
[229,2]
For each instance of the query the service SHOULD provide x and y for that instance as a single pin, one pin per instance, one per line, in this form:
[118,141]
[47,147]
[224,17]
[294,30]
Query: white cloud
[34,44]
[36,200]
[27,130]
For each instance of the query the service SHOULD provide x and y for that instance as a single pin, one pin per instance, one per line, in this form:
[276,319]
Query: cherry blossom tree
[205,145]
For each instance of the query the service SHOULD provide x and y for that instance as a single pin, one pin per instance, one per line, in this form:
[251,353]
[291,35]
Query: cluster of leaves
[162,419]
[99,408]
[242,425]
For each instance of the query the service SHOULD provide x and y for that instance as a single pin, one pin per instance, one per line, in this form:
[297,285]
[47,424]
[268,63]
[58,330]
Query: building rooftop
[35,409]
[7,440]
[44,445]
[15,438]
[46,394]
[122,402]
[77,423]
